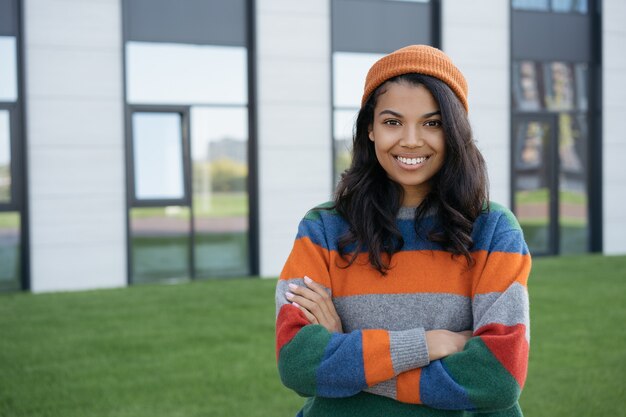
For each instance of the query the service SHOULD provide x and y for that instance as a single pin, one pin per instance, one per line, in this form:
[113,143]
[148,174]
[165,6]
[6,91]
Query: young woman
[406,295]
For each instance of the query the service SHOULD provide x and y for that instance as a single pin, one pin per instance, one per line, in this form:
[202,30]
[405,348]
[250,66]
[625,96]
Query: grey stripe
[283,286]
[408,349]
[509,308]
[386,388]
[405,311]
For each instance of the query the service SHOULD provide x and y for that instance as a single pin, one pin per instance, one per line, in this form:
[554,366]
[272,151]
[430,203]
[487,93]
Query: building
[156,140]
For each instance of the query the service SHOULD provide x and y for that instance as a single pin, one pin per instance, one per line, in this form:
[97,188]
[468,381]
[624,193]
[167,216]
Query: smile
[412,161]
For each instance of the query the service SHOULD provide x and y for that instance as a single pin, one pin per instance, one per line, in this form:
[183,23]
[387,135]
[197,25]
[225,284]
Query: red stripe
[289,322]
[509,345]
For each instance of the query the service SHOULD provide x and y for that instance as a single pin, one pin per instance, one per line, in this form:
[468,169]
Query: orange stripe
[308,259]
[412,272]
[376,356]
[408,386]
[502,270]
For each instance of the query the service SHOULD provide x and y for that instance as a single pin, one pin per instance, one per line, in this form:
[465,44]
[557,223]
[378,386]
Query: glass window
[573,216]
[219,152]
[567,6]
[158,156]
[532,182]
[349,71]
[5,157]
[163,73]
[8,69]
[542,5]
[526,92]
[581,86]
[559,86]
[10,248]
[343,127]
[160,243]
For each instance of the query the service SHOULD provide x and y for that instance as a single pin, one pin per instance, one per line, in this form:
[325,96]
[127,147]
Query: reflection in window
[581,86]
[219,144]
[566,6]
[160,243]
[532,196]
[159,73]
[526,86]
[10,247]
[8,69]
[559,86]
[158,156]
[531,4]
[573,216]
[5,157]
[343,123]
[349,71]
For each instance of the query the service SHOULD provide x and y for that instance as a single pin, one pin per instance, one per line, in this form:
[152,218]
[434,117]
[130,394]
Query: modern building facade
[156,141]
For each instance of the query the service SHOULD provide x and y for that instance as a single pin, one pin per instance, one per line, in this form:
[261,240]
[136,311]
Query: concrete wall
[614,131]
[74,121]
[294,126]
[478,43]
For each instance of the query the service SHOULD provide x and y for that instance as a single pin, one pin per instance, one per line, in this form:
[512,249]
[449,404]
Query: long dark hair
[370,201]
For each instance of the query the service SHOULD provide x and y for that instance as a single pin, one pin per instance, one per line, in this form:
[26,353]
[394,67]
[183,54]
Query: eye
[433,123]
[392,122]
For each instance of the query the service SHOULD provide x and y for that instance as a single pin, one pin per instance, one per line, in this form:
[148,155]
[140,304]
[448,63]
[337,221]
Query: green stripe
[489,385]
[299,359]
[314,214]
[498,208]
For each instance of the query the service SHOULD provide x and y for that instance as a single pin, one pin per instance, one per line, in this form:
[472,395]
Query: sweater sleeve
[315,362]
[489,374]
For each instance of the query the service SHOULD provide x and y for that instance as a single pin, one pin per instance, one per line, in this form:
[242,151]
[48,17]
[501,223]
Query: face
[408,138]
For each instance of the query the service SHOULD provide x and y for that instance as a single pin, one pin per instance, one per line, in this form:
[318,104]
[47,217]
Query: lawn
[206,348]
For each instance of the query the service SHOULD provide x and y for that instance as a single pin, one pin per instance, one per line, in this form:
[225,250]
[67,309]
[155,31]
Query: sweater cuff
[408,349]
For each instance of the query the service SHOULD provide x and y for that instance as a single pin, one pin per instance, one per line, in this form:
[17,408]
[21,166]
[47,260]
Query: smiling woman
[406,295]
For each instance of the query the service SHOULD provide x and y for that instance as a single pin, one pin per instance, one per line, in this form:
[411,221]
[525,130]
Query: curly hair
[369,200]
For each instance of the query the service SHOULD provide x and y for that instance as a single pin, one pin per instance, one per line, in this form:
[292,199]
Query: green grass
[206,348]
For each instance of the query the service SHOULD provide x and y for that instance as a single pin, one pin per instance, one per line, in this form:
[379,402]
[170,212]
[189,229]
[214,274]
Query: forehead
[407,96]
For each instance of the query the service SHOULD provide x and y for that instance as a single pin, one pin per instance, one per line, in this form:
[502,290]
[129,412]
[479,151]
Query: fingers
[310,317]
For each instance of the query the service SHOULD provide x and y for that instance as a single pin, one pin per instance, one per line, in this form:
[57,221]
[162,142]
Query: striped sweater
[379,366]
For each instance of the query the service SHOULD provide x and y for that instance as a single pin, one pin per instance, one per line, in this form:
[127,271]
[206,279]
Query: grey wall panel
[7,18]
[550,36]
[215,22]
[364,26]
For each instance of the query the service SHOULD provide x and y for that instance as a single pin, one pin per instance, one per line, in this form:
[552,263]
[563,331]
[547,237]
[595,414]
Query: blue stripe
[341,372]
[493,232]
[438,389]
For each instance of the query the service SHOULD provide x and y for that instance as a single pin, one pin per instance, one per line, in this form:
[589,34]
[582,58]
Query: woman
[416,303]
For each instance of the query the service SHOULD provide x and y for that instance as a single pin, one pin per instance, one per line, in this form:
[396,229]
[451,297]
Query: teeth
[412,161]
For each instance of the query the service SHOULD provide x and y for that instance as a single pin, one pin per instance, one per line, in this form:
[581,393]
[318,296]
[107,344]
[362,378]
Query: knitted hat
[421,59]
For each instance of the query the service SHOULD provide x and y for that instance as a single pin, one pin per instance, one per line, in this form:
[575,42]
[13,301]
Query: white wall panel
[293,64]
[478,43]
[614,137]
[74,118]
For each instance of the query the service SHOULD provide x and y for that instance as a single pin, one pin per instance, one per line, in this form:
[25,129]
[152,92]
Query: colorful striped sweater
[379,366]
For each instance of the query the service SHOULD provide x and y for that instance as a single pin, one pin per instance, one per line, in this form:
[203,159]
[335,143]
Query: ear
[370,132]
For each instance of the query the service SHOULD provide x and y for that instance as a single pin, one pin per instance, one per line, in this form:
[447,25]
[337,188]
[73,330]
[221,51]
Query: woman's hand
[316,304]
[442,343]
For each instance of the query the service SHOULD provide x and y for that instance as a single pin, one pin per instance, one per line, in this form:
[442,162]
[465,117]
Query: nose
[412,138]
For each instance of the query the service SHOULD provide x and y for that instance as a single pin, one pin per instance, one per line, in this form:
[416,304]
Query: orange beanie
[420,59]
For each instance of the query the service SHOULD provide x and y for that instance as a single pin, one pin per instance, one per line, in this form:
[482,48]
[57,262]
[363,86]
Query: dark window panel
[550,36]
[214,22]
[379,26]
[8,23]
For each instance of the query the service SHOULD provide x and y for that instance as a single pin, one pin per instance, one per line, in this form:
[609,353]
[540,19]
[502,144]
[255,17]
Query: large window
[12,204]
[188,139]
[362,32]
[553,139]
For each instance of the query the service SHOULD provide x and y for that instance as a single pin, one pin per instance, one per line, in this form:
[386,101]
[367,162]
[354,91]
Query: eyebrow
[396,114]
